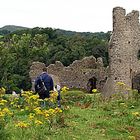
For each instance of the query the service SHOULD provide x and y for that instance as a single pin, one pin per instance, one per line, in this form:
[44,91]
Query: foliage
[20,48]
[70,97]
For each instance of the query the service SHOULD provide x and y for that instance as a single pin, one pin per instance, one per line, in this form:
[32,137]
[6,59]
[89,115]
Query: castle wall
[75,75]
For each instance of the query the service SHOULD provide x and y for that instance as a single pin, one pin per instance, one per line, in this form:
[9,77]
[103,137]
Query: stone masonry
[124,46]
[75,75]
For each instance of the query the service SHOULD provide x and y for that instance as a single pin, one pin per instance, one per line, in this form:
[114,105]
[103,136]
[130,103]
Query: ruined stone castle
[80,74]
[124,65]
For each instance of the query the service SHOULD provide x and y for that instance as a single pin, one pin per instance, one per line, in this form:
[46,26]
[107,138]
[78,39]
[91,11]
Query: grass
[90,117]
[86,117]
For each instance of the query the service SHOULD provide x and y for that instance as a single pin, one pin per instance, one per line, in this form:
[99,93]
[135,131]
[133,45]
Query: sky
[72,15]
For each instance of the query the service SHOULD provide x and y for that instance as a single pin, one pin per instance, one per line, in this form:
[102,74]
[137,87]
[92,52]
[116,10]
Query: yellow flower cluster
[1,114]
[22,124]
[5,112]
[45,113]
[3,102]
[53,97]
[38,122]
[64,89]
[29,103]
[14,102]
[94,91]
[27,93]
[38,111]
[32,101]
[120,83]
[31,116]
[39,116]
[136,114]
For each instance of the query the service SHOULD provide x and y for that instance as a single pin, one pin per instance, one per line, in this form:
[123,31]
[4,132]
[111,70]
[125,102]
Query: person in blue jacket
[44,84]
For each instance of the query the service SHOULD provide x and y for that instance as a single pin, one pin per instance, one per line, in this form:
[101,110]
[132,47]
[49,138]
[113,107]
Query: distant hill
[12,28]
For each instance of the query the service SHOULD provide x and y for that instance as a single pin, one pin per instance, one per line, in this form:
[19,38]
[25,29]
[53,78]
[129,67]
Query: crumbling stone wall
[123,49]
[75,75]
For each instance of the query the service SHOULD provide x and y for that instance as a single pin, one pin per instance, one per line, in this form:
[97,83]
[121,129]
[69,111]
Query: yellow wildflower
[46,114]
[22,125]
[51,111]
[22,110]
[31,116]
[2,114]
[24,95]
[64,89]
[26,108]
[38,122]
[29,93]
[120,83]
[131,138]
[38,108]
[135,113]
[6,110]
[54,94]
[12,103]
[3,101]
[1,104]
[38,111]
[46,99]
[34,97]
[18,106]
[94,90]
[58,110]
[40,100]
[3,89]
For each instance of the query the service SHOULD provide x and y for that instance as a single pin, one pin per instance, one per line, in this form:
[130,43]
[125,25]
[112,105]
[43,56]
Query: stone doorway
[136,82]
[92,84]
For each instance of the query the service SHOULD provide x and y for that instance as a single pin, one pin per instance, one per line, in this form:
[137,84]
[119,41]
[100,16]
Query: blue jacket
[48,81]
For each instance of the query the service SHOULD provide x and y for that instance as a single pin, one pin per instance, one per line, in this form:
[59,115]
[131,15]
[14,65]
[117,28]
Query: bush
[70,97]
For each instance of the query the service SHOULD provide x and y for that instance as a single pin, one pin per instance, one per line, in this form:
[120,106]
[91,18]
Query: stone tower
[124,46]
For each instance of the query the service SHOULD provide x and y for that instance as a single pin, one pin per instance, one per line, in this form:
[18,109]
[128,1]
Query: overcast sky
[74,15]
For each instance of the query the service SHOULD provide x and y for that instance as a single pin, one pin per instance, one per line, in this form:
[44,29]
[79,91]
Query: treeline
[20,48]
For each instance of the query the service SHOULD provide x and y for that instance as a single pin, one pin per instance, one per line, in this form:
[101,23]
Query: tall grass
[84,117]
